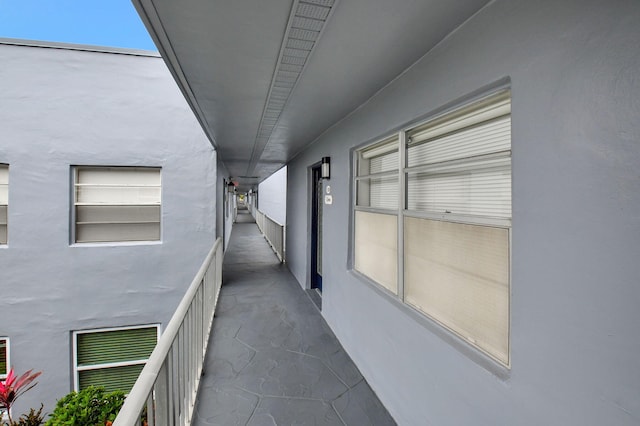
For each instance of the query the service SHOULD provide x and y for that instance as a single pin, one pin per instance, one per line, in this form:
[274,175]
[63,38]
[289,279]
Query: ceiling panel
[267,78]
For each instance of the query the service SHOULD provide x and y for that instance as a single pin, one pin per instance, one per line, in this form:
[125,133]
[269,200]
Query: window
[376,215]
[117,204]
[454,223]
[4,357]
[112,358]
[4,202]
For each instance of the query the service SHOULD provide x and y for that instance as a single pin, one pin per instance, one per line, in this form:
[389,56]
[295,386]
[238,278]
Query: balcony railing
[273,232]
[165,392]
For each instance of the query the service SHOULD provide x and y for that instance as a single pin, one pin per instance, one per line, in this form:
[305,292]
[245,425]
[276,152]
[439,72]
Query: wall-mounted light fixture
[325,169]
[231,187]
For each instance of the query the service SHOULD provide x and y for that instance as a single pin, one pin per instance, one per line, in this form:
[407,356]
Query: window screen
[377,179]
[117,204]
[113,358]
[4,202]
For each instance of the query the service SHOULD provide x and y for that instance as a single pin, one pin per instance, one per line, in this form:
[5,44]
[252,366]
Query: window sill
[117,244]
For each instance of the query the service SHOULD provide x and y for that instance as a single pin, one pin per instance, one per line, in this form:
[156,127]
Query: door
[316,229]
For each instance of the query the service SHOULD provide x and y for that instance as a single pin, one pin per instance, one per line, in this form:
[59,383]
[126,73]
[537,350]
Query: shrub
[89,407]
[33,418]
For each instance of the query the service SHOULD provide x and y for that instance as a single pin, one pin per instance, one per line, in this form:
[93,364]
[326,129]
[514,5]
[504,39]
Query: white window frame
[6,206]
[77,369]
[8,356]
[403,212]
[76,204]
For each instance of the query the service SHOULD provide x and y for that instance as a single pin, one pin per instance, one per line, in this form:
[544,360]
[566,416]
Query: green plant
[92,406]
[33,418]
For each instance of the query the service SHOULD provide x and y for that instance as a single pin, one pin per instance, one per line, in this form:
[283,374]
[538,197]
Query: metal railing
[273,232]
[165,392]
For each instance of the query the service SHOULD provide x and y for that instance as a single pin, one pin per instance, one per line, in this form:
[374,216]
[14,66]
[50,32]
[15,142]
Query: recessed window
[4,202]
[112,358]
[4,357]
[455,220]
[117,204]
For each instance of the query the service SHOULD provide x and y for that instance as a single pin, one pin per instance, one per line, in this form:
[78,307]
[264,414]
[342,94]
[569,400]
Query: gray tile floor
[272,359]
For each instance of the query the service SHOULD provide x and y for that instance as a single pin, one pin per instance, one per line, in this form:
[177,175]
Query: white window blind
[376,248]
[461,163]
[112,358]
[117,204]
[4,202]
[377,181]
[458,275]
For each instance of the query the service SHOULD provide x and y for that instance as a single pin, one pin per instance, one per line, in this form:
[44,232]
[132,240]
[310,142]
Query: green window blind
[97,350]
[114,378]
[3,357]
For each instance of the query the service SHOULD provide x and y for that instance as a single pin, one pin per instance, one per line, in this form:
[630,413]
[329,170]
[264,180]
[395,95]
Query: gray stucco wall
[60,108]
[574,68]
[273,196]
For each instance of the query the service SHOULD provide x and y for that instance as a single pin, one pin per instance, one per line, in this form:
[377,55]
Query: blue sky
[112,23]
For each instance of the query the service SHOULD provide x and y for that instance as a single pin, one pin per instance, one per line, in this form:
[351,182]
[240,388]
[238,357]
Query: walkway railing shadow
[166,389]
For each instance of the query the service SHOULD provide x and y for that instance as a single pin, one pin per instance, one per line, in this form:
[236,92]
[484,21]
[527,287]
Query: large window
[117,204]
[4,357]
[112,358]
[454,221]
[4,202]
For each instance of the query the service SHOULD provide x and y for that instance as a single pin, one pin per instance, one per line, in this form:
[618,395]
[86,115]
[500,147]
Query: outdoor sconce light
[325,169]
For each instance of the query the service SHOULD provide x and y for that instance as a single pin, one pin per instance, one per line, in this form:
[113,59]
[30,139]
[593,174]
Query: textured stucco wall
[61,108]
[573,67]
[273,196]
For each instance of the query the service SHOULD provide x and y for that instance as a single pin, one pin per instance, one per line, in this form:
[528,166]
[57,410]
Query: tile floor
[272,359]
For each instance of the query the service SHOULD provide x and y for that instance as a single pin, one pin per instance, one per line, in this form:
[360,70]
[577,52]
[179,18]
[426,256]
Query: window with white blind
[115,204]
[4,357]
[112,358]
[454,224]
[4,202]
[376,216]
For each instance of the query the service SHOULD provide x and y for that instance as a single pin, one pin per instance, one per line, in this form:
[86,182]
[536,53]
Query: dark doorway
[316,229]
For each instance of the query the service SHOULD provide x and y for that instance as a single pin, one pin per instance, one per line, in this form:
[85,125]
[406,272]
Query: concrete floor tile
[272,359]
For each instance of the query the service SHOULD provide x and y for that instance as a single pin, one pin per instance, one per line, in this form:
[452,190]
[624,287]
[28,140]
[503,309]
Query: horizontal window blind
[458,275]
[376,248]
[112,379]
[3,357]
[117,204]
[113,358]
[4,202]
[377,184]
[461,163]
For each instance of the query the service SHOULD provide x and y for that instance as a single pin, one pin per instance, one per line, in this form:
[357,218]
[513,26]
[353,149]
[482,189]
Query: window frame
[467,347]
[7,356]
[74,342]
[6,206]
[74,205]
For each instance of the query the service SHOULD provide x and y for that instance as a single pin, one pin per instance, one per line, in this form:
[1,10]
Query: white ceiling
[267,77]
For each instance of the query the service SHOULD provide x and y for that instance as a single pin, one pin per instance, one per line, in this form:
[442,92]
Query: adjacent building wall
[273,196]
[573,68]
[63,107]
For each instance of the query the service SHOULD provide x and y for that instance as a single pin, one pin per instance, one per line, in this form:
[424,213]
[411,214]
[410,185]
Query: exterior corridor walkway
[272,359]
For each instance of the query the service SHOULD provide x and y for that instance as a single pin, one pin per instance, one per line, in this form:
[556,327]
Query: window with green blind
[112,358]
[4,357]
